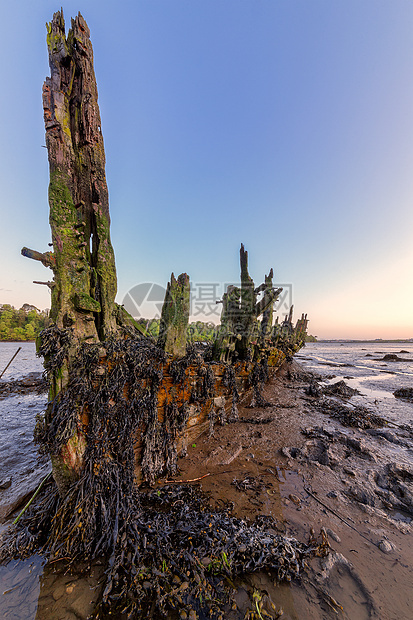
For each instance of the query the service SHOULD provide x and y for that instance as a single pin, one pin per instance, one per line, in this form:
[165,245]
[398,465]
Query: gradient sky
[285,125]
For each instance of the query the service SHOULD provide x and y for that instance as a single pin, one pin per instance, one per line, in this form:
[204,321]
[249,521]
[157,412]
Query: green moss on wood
[85,303]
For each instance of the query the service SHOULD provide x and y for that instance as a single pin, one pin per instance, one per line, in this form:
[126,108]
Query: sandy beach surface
[295,461]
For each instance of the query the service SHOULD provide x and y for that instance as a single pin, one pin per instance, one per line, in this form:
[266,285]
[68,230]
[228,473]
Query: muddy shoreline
[301,466]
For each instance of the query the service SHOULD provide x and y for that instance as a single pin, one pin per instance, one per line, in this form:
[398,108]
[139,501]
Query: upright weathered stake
[175,316]
[247,307]
[82,260]
[268,302]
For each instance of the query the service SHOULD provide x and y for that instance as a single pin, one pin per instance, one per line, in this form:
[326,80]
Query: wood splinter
[49,284]
[46,258]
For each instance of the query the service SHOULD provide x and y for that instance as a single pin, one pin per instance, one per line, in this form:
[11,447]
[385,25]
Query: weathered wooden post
[84,286]
[175,316]
[248,324]
[83,262]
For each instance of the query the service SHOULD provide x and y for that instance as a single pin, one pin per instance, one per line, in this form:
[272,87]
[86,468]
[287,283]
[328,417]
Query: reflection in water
[34,590]
[20,588]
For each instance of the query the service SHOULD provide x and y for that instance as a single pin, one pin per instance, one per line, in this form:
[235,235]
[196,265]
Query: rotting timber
[183,392]
[122,406]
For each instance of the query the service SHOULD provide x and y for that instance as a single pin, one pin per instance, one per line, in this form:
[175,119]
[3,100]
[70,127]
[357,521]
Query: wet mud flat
[302,464]
[295,463]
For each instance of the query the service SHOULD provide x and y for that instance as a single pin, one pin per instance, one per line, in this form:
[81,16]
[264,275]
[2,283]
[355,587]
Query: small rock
[5,483]
[385,546]
[69,589]
[349,472]
[295,499]
[147,585]
[206,561]
[333,535]
[192,615]
[58,592]
[364,496]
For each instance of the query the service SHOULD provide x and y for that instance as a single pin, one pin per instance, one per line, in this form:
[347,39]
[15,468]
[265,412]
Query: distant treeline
[22,324]
[197,331]
[310,338]
[28,321]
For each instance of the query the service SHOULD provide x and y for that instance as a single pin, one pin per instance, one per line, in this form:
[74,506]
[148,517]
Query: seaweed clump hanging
[166,549]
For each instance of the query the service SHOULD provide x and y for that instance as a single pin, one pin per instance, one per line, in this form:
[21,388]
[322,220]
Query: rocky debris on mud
[33,382]
[329,448]
[356,416]
[296,373]
[388,488]
[390,435]
[406,393]
[392,357]
[313,390]
[339,389]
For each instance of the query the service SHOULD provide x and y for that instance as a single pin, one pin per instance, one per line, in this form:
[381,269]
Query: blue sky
[287,126]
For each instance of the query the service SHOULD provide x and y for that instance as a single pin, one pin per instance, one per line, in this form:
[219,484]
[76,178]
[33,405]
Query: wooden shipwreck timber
[122,405]
[182,390]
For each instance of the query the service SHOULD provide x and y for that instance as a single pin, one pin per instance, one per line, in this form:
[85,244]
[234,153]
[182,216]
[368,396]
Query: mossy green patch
[85,303]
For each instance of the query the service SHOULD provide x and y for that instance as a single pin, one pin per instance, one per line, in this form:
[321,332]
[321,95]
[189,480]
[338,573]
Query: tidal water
[20,467]
[361,365]
[24,363]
